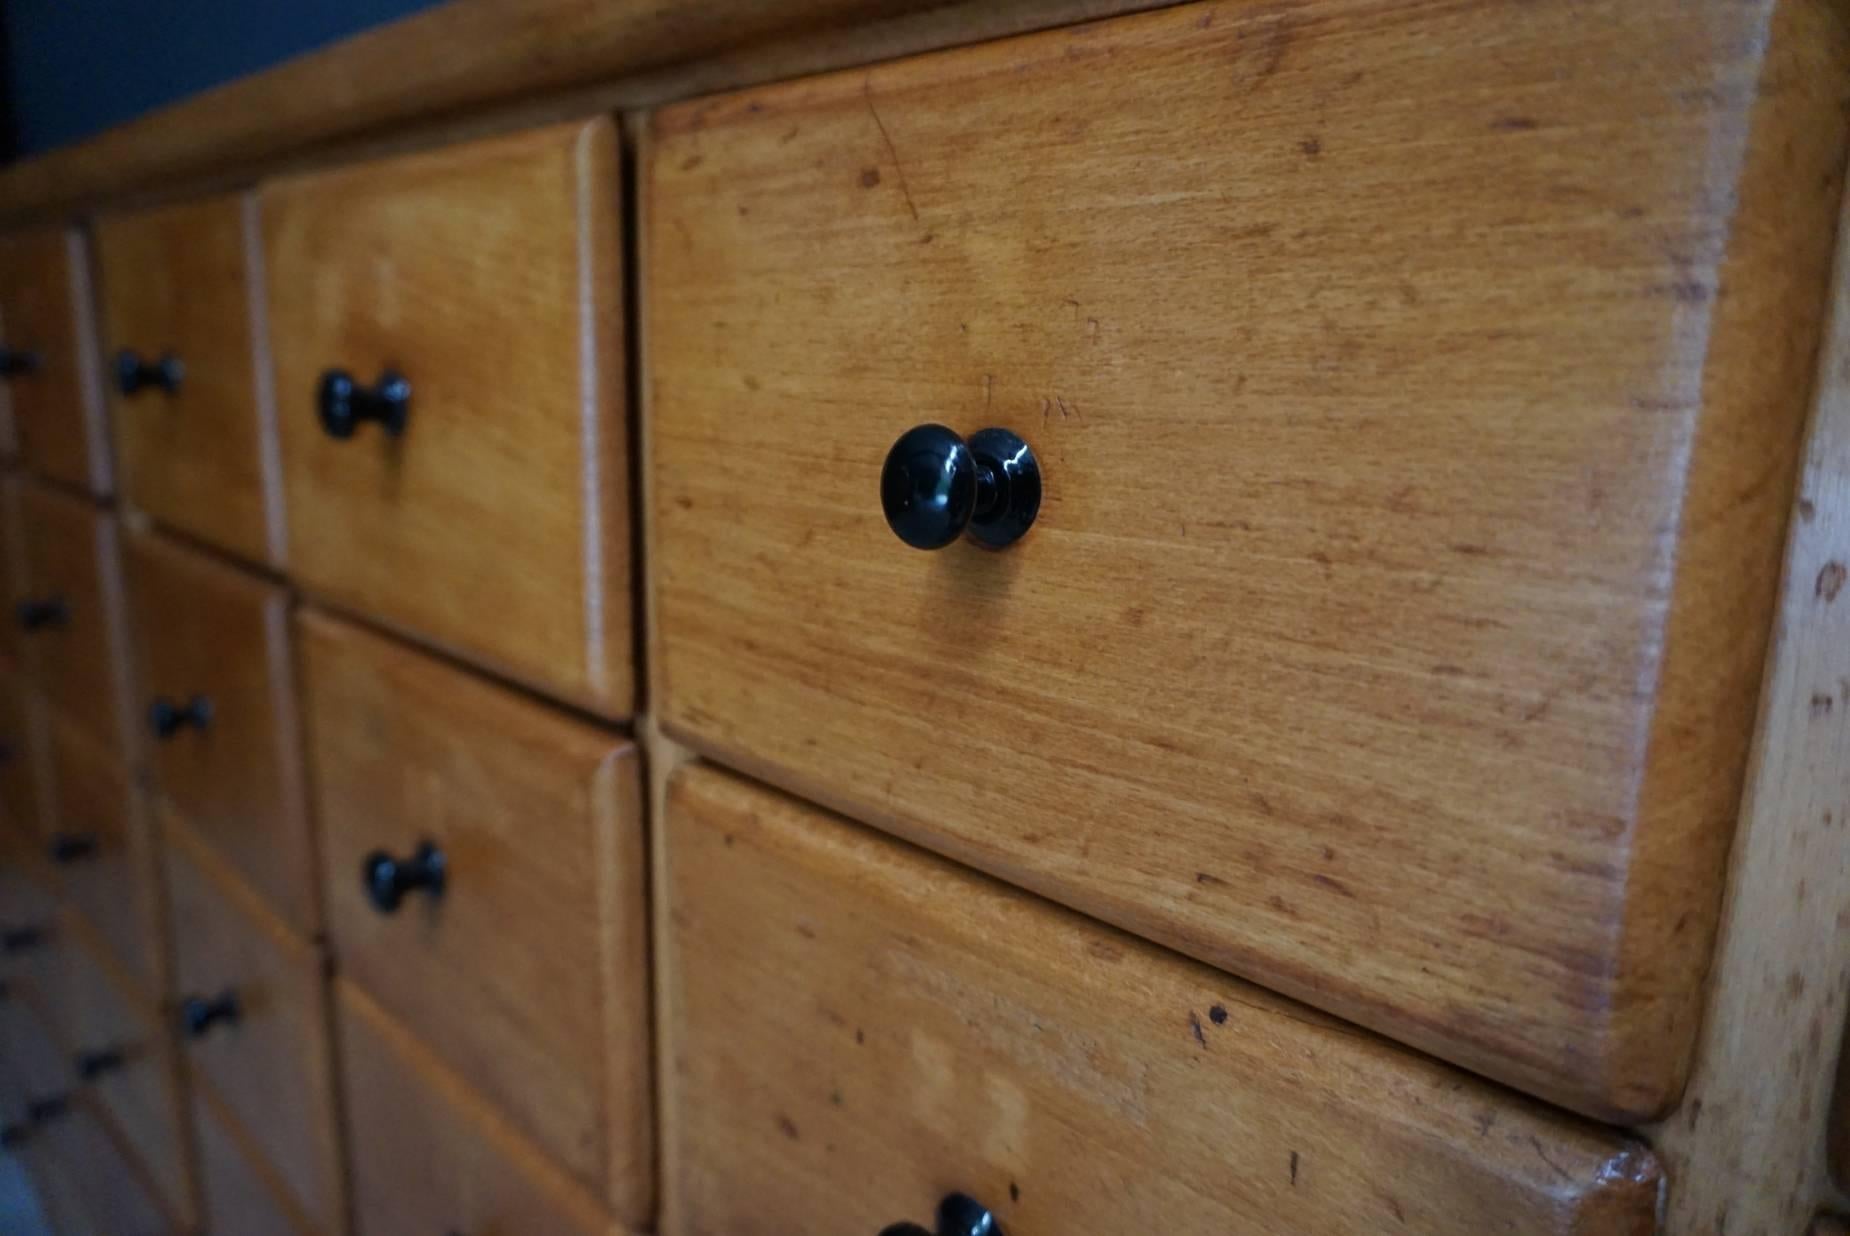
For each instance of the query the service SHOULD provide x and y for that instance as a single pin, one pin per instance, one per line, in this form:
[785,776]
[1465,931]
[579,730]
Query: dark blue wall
[78,66]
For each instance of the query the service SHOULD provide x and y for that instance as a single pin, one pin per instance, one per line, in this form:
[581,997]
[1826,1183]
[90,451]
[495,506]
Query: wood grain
[1367,646]
[99,1008]
[12,565]
[184,279]
[81,665]
[116,888]
[241,1193]
[490,276]
[25,755]
[430,1155]
[1748,1147]
[529,976]
[46,308]
[856,1020]
[273,1070]
[110,1184]
[27,901]
[201,627]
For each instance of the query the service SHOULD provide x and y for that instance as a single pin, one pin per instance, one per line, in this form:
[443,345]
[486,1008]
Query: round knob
[388,879]
[15,940]
[43,614]
[101,1062]
[133,374]
[67,848]
[957,1216]
[937,487]
[167,718]
[17,361]
[47,1108]
[198,1014]
[345,405]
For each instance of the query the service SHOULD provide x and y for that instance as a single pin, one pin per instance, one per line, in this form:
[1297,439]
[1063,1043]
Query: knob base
[1005,508]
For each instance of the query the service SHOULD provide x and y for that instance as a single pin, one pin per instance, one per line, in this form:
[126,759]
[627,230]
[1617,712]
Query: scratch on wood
[867,92]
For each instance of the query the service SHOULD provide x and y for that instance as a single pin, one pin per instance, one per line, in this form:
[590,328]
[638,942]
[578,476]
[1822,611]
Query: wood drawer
[74,636]
[181,282]
[488,276]
[46,310]
[241,1192]
[527,975]
[102,854]
[35,1067]
[1416,460]
[212,643]
[24,753]
[264,1047]
[29,930]
[856,1020]
[12,570]
[96,1180]
[429,1155]
[123,1056]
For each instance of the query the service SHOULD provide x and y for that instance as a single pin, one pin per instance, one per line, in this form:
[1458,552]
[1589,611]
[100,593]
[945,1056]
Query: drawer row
[1388,632]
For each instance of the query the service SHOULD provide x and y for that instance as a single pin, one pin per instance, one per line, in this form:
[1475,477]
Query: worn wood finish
[856,1020]
[201,627]
[99,1009]
[116,887]
[240,1192]
[429,1155]
[184,279]
[1371,594]
[489,276]
[46,308]
[529,975]
[272,1071]
[1748,1144]
[71,555]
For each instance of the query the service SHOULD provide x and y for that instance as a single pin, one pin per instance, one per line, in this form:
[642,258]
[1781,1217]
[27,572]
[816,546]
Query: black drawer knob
[17,940]
[47,1108]
[134,374]
[937,487]
[15,362]
[168,717]
[43,614]
[198,1014]
[345,405]
[67,848]
[388,879]
[99,1063]
[957,1216]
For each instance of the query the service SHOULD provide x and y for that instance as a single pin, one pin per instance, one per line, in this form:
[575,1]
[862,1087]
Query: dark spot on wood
[788,1127]
[1514,124]
[1014,1192]
[1311,146]
[1194,1028]
[1333,884]
[870,176]
[1218,1014]
[1294,1169]
[684,502]
[859,1038]
[835,1097]
[692,161]
[1203,877]
[727,839]
[1830,581]
[1795,985]
[806,931]
[789,137]
[1468,550]
[752,384]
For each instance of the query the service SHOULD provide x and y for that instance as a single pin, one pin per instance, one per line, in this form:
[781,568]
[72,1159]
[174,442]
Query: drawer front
[36,1068]
[124,1056]
[97,1178]
[45,313]
[12,570]
[487,276]
[241,1191]
[216,688]
[71,619]
[197,438]
[255,997]
[24,753]
[527,974]
[860,1022]
[101,852]
[429,1155]
[1350,596]
[29,931]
